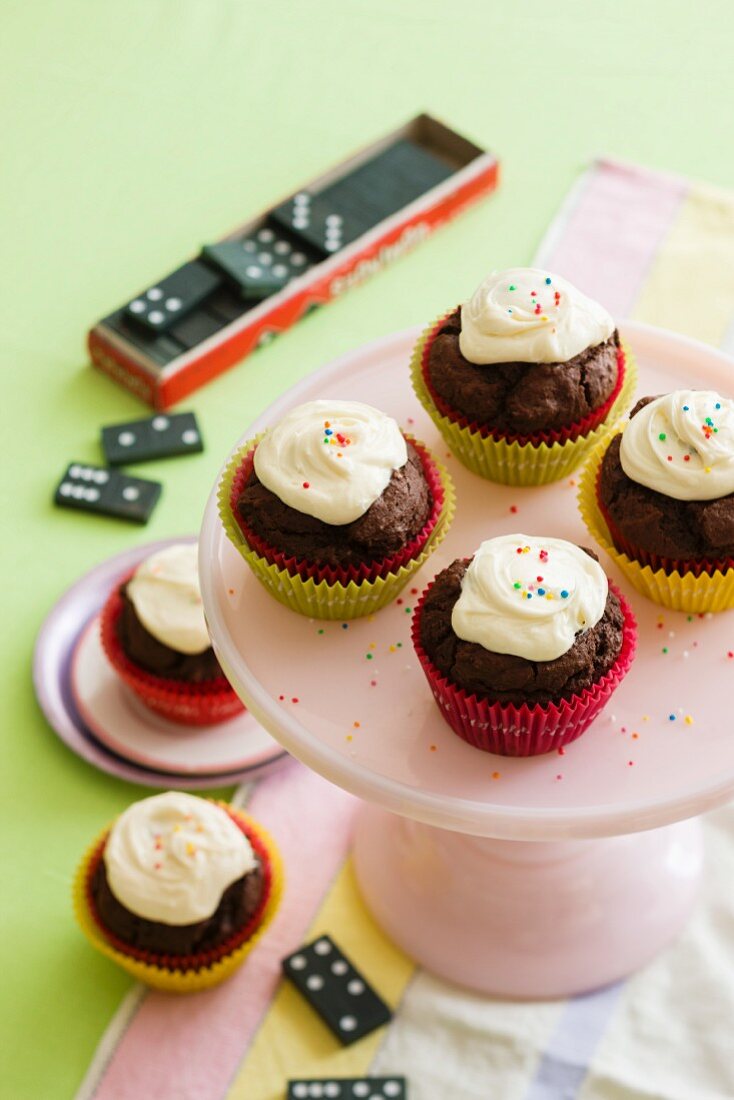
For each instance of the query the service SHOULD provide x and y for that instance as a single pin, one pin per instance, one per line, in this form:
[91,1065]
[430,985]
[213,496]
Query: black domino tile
[260,263]
[160,436]
[334,987]
[106,492]
[166,302]
[348,1088]
[196,328]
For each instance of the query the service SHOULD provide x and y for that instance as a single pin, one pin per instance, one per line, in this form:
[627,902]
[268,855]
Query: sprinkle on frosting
[167,599]
[170,858]
[529,597]
[525,315]
[682,445]
[331,459]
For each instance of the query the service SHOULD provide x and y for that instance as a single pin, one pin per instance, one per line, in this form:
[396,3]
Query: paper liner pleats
[183,973]
[525,730]
[203,704]
[325,592]
[514,460]
[709,586]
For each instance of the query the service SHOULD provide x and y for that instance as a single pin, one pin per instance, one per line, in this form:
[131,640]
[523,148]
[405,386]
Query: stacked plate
[93,713]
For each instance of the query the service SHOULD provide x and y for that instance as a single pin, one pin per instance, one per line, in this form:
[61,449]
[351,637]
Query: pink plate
[52,659]
[119,720]
[350,699]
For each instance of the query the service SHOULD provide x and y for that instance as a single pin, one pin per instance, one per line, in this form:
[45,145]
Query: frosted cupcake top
[331,459]
[682,445]
[529,596]
[167,599]
[170,858]
[526,315]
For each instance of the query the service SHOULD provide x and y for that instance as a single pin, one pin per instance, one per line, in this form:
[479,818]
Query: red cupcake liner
[510,730]
[203,704]
[201,959]
[560,435]
[656,561]
[347,574]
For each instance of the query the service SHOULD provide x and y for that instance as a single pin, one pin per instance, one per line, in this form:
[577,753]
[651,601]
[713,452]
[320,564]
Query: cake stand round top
[350,700]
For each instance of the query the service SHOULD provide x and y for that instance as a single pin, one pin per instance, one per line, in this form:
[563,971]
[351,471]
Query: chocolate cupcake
[660,499]
[523,644]
[156,638]
[334,508]
[524,377]
[177,888]
[667,483]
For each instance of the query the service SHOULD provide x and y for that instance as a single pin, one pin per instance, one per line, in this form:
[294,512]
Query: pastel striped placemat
[656,248]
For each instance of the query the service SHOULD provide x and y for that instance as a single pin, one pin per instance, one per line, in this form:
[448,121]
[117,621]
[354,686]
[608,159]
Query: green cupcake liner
[515,463]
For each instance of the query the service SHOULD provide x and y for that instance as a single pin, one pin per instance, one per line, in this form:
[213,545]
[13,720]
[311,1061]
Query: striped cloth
[651,247]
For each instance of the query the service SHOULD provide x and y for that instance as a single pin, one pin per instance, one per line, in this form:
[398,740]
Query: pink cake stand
[524,877]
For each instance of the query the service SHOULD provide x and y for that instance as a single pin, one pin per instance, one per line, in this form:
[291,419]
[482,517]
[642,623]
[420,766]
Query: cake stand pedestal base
[527,918]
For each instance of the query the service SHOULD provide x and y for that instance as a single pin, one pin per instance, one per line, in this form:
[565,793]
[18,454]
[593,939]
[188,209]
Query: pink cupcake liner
[203,704]
[201,959]
[560,435]
[510,730]
[348,573]
[656,561]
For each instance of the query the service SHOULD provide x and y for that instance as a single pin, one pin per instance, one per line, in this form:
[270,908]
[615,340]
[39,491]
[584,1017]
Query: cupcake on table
[334,508]
[524,378]
[660,499]
[523,644]
[155,637]
[177,889]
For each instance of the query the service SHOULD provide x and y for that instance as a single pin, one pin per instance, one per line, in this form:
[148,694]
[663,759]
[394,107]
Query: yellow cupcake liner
[518,463]
[319,599]
[686,592]
[158,977]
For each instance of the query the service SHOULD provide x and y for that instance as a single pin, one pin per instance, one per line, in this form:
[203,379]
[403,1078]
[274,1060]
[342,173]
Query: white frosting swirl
[529,596]
[331,459]
[682,445]
[170,858]
[525,315]
[167,599]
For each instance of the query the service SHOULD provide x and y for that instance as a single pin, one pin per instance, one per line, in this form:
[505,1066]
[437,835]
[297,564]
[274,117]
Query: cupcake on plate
[659,497]
[156,639]
[177,890]
[523,644]
[334,509]
[524,378]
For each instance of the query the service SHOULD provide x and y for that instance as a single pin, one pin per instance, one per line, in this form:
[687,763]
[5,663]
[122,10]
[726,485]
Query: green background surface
[132,132]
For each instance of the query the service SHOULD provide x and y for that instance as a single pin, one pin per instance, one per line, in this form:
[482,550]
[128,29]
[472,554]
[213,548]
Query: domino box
[335,232]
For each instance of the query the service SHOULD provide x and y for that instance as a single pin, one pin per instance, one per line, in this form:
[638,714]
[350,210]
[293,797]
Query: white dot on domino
[160,423]
[333,219]
[280,270]
[75,471]
[300,1091]
[391,1088]
[298,962]
[339,967]
[300,222]
[101,477]
[348,1023]
[361,1088]
[156,316]
[249,246]
[332,1089]
[298,259]
[253,271]
[355,987]
[91,495]
[190,436]
[138,306]
[322,947]
[316,1089]
[130,492]
[154,294]
[282,248]
[315,982]
[65,488]
[126,439]
[265,259]
[266,236]
[173,304]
